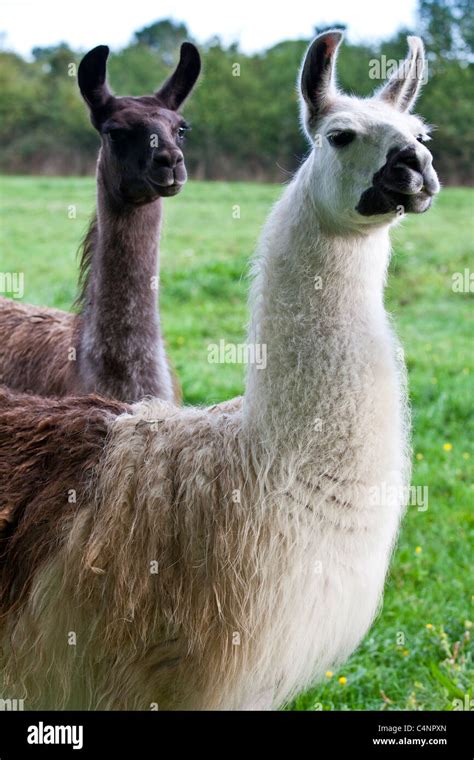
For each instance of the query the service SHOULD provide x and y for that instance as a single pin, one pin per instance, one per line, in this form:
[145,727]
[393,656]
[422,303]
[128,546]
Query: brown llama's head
[142,137]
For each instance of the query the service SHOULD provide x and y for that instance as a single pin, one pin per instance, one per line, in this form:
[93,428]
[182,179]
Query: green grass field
[418,654]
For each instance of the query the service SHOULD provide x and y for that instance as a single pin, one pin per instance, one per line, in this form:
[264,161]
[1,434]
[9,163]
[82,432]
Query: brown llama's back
[35,349]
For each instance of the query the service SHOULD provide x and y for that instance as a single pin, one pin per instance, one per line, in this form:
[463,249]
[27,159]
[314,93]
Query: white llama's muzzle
[407,182]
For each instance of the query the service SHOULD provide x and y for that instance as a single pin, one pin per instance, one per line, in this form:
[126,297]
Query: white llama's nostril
[412,182]
[431,182]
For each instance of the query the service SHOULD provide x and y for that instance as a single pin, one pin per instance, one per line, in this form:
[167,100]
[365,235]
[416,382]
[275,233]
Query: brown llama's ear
[92,75]
[404,85]
[317,80]
[177,88]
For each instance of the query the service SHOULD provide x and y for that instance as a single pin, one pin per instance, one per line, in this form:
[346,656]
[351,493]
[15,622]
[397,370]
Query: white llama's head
[369,162]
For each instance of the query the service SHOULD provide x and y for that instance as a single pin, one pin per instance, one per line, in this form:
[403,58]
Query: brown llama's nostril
[168,159]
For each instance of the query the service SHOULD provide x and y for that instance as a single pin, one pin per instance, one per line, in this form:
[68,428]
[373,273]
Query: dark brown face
[144,143]
[142,137]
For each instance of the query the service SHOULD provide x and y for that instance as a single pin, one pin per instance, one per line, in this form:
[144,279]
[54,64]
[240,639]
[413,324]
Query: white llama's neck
[330,390]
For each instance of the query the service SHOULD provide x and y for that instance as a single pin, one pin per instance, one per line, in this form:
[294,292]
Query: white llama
[267,517]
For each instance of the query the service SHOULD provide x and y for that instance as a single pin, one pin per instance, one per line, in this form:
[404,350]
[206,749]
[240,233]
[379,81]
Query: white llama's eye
[423,138]
[342,138]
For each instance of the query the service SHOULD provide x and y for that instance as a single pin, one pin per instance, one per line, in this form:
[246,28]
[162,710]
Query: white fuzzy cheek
[367,161]
[326,179]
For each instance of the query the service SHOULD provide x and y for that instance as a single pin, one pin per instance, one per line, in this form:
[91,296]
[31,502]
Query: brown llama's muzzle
[167,173]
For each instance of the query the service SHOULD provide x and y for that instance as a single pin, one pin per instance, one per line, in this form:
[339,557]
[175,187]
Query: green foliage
[164,37]
[448,26]
[137,70]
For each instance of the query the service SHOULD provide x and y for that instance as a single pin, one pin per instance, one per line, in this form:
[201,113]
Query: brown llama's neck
[120,348]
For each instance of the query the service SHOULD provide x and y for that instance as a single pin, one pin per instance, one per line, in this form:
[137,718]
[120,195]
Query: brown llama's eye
[342,138]
[182,131]
[116,135]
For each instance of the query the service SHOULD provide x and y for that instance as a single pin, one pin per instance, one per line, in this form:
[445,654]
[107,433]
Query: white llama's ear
[403,87]
[317,79]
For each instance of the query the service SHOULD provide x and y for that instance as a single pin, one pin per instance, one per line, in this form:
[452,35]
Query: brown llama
[113,346]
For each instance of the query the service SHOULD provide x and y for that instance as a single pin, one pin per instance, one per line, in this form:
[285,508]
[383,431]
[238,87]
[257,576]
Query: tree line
[244,112]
